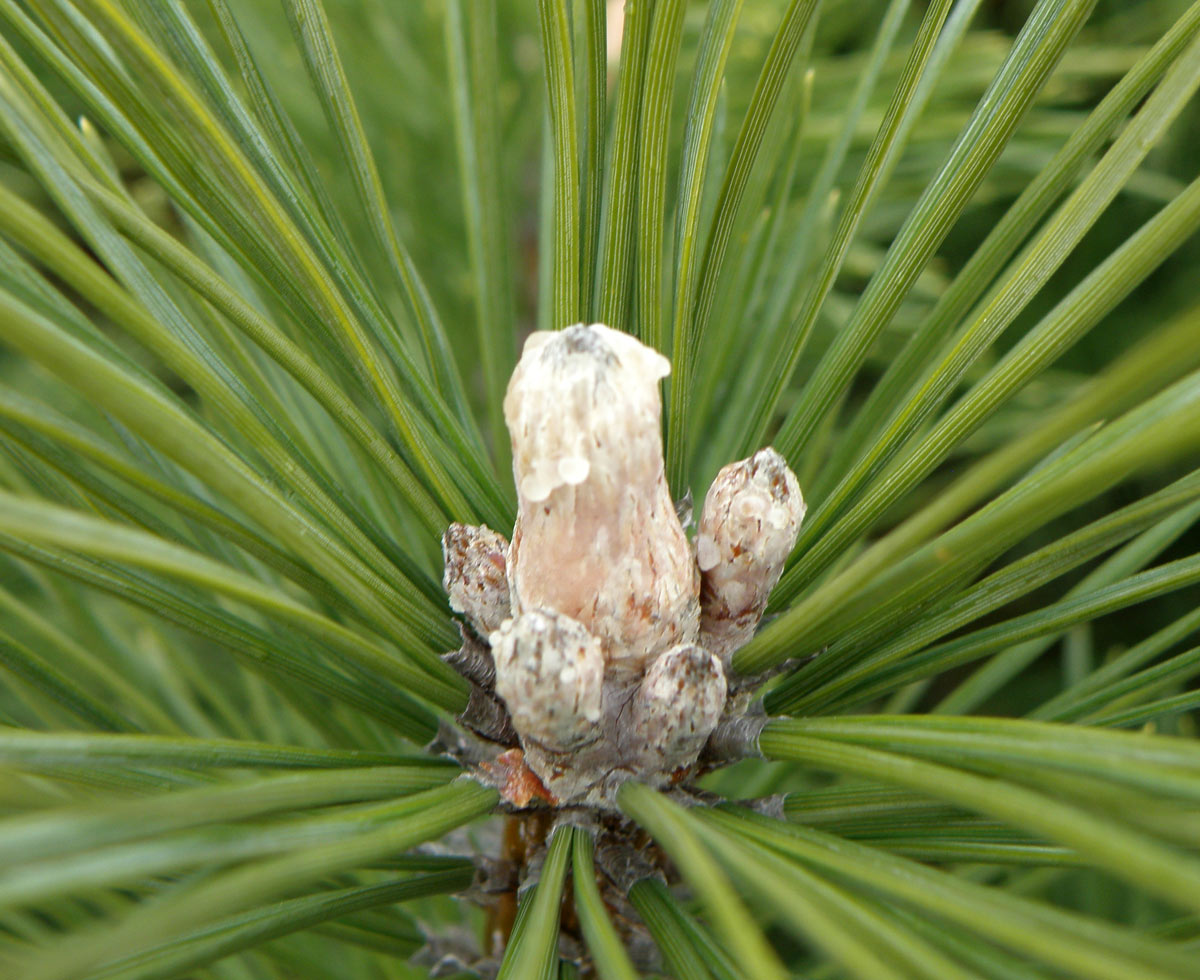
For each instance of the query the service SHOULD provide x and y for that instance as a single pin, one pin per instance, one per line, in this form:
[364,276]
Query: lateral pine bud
[475,576]
[610,641]
[550,673]
[751,517]
[668,729]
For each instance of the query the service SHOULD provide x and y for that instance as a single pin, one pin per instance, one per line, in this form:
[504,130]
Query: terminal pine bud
[597,537]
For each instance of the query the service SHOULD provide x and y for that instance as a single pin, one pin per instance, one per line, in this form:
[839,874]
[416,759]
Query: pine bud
[550,673]
[751,517]
[476,560]
[677,705]
[597,538]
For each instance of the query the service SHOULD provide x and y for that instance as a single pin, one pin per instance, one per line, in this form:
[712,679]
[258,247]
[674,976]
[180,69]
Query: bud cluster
[610,634]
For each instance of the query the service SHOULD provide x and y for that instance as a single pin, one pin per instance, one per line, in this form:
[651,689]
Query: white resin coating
[597,538]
